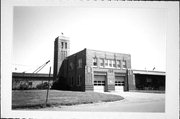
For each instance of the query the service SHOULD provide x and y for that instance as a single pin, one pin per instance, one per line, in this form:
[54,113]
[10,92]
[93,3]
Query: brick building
[92,70]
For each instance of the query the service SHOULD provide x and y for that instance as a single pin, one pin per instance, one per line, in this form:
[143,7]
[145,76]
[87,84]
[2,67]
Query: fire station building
[92,70]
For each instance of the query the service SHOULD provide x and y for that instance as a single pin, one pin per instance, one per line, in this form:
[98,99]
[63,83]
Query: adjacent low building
[148,80]
[31,81]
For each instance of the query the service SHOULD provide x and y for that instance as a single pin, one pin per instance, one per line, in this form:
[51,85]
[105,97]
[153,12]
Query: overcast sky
[139,32]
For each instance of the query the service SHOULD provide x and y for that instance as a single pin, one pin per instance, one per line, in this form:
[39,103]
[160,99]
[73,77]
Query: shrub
[42,86]
[23,86]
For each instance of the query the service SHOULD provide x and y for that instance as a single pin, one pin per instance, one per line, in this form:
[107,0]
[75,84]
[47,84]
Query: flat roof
[17,74]
[149,72]
[98,51]
[108,52]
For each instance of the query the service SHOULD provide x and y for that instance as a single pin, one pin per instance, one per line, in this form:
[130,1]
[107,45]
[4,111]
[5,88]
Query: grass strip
[34,99]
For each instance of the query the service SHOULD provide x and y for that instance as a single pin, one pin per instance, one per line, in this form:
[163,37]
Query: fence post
[48,86]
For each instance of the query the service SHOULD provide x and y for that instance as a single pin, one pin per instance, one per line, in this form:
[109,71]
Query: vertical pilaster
[129,81]
[110,81]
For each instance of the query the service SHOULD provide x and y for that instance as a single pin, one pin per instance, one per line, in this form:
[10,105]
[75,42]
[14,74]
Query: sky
[140,32]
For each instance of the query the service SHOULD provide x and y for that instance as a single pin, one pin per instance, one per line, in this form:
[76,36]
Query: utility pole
[48,86]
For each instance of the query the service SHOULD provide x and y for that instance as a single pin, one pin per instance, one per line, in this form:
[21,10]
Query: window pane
[79,63]
[110,63]
[71,66]
[101,62]
[124,64]
[113,63]
[95,61]
[106,62]
[62,45]
[118,64]
[66,45]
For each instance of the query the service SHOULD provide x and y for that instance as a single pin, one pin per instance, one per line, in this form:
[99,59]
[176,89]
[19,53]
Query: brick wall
[110,81]
[71,76]
[60,53]
[70,72]
[130,81]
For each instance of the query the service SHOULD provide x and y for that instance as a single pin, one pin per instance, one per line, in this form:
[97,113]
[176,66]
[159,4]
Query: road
[133,102]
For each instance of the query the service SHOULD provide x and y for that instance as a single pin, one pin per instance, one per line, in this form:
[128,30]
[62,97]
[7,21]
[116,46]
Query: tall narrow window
[110,63]
[62,45]
[124,64]
[106,62]
[79,63]
[113,63]
[71,66]
[66,45]
[79,80]
[94,61]
[101,61]
[118,62]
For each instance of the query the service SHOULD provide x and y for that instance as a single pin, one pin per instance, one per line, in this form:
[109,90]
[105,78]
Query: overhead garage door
[119,83]
[99,83]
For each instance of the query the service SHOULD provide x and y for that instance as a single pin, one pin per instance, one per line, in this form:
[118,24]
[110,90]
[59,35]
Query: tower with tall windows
[61,51]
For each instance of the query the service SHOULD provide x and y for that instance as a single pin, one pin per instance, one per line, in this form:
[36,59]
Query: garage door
[99,83]
[119,83]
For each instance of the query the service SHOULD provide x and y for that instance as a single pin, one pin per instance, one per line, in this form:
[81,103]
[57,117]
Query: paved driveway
[133,102]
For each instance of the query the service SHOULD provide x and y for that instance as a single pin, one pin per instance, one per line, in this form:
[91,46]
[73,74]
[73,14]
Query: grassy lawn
[37,98]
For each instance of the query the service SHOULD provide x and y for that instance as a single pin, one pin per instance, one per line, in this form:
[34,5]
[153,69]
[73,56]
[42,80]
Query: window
[62,45]
[99,83]
[79,80]
[71,66]
[119,83]
[110,63]
[106,62]
[30,83]
[94,61]
[118,63]
[79,63]
[124,64]
[101,61]
[113,63]
[66,45]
